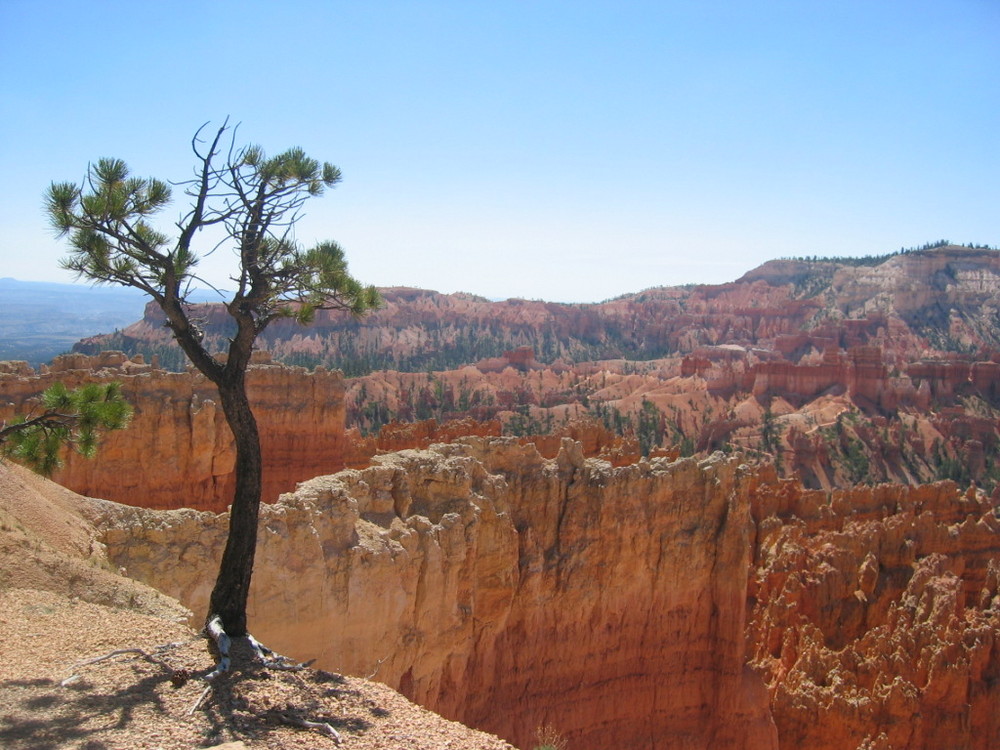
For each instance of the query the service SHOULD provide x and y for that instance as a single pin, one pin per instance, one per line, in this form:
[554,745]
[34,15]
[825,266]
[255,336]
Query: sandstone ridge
[939,300]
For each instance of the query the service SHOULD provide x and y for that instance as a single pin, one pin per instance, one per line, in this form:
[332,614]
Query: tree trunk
[232,587]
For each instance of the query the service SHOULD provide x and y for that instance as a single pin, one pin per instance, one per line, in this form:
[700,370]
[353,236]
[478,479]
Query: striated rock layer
[939,300]
[664,604]
[178,451]
[503,589]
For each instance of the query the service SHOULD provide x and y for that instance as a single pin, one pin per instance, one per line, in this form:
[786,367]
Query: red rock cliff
[658,605]
[939,300]
[178,451]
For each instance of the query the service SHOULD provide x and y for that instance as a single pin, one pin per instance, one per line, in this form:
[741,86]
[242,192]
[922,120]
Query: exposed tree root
[222,641]
[150,657]
[262,651]
[266,656]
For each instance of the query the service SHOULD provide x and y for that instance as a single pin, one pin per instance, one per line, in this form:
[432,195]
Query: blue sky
[569,151]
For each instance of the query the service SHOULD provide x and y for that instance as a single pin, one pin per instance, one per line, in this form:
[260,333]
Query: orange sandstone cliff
[879,369]
[648,603]
[505,590]
[668,603]
[178,451]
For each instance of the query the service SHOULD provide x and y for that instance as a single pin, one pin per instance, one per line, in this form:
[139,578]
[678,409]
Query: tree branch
[44,421]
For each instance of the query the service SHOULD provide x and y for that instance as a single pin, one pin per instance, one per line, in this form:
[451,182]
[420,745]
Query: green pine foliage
[876,260]
[651,427]
[65,418]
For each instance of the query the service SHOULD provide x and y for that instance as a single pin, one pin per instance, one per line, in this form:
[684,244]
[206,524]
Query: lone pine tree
[256,201]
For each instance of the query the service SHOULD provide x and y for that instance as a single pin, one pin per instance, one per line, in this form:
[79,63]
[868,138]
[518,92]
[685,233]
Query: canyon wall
[664,604]
[654,603]
[863,373]
[504,590]
[833,420]
[178,451]
[938,301]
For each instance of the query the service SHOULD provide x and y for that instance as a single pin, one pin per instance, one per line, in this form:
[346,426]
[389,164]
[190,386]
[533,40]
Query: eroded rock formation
[907,347]
[939,300]
[505,590]
[178,451]
[650,603]
[695,604]
[875,617]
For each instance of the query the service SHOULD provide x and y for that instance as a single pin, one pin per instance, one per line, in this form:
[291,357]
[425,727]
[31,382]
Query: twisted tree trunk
[232,587]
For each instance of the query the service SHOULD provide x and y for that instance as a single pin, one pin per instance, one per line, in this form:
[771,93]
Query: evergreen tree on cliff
[253,201]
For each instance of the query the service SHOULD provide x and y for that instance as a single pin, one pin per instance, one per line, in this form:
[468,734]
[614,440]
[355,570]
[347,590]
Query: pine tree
[255,201]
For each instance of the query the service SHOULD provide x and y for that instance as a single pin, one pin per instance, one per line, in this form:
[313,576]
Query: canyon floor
[61,609]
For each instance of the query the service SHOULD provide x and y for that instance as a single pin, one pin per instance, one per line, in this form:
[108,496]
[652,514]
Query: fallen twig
[119,652]
[111,655]
[201,699]
[320,726]
[378,665]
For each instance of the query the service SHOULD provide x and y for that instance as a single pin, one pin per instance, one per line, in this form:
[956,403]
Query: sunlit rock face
[178,451]
[940,300]
[505,590]
[875,616]
[911,345]
[692,604]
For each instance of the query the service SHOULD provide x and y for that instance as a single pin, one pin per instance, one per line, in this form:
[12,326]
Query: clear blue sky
[569,151]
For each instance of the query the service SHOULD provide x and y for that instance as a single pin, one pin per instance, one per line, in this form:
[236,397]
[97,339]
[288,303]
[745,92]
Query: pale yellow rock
[502,589]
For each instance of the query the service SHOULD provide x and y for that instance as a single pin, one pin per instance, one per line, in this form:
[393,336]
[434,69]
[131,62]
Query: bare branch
[197,212]
[44,421]
[320,726]
[378,665]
